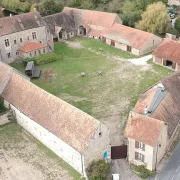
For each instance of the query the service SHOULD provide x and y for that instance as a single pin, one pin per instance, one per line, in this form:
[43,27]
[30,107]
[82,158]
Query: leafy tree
[48,7]
[177,24]
[155,19]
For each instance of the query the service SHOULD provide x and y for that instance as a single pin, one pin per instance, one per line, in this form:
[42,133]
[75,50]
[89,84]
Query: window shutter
[136,155]
[136,144]
[142,158]
[143,147]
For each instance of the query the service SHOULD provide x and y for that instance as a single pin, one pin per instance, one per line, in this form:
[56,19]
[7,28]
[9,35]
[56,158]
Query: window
[100,134]
[39,51]
[44,50]
[35,54]
[139,156]
[28,38]
[34,35]
[139,145]
[17,52]
[30,55]
[21,40]
[40,42]
[7,42]
[15,41]
[153,41]
[9,55]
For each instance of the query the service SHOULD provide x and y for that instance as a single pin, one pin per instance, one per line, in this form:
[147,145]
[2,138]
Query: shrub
[99,170]
[177,24]
[43,59]
[2,108]
[142,171]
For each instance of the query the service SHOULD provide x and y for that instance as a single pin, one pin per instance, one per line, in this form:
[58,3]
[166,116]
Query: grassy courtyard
[107,97]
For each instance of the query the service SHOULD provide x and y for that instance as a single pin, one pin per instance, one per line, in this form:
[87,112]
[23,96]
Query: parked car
[115,176]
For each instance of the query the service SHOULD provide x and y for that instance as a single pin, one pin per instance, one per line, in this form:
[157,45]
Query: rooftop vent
[145,110]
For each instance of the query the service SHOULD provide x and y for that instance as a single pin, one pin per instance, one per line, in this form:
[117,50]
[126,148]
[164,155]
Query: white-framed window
[15,41]
[7,44]
[139,145]
[17,52]
[9,55]
[28,38]
[21,40]
[44,50]
[34,35]
[139,156]
[39,51]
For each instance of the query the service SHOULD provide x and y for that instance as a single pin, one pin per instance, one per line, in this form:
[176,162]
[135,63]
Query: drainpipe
[82,165]
[1,56]
[158,145]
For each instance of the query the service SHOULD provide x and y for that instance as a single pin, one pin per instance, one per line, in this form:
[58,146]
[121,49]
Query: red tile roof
[95,32]
[143,128]
[91,17]
[32,46]
[70,124]
[169,50]
[127,35]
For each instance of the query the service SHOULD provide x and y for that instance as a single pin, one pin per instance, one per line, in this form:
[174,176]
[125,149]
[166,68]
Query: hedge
[43,59]
[99,170]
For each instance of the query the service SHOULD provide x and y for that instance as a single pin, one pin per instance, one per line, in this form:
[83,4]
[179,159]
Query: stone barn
[167,54]
[73,135]
[130,39]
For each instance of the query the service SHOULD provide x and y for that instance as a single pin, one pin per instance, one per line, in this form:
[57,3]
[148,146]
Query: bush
[2,108]
[99,170]
[42,59]
[142,172]
[177,24]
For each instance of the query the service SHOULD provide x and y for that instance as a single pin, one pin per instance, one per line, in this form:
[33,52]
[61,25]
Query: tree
[155,19]
[177,24]
[48,7]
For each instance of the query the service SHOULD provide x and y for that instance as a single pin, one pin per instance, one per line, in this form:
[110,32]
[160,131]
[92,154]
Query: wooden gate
[119,152]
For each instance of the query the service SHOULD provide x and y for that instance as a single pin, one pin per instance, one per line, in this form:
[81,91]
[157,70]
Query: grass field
[23,157]
[109,97]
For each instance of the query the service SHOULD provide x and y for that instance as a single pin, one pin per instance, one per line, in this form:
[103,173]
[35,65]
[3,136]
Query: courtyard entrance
[119,152]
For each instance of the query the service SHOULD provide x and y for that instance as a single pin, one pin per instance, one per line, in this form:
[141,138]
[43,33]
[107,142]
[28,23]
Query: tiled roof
[32,46]
[5,74]
[17,23]
[169,50]
[143,128]
[91,17]
[70,124]
[168,109]
[93,32]
[127,35]
[64,20]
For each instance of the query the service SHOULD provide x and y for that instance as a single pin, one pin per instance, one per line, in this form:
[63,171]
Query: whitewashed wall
[59,147]
[148,155]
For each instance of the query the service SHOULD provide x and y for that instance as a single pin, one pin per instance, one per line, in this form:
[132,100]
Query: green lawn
[97,44]
[109,97]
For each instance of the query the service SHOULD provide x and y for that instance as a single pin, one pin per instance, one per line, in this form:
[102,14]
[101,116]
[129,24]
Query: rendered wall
[63,150]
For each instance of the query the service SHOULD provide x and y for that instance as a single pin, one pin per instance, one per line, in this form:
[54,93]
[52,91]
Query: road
[171,171]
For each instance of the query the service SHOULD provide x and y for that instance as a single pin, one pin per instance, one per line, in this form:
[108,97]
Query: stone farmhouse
[17,31]
[153,122]
[167,54]
[130,39]
[73,135]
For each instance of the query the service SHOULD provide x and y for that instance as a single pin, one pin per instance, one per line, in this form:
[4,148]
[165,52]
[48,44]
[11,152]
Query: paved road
[172,169]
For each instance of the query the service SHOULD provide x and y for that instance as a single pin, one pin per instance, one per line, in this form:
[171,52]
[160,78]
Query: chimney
[10,15]
[145,110]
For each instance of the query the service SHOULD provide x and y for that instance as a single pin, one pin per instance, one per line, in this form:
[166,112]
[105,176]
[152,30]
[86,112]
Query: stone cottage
[73,135]
[16,31]
[91,23]
[130,39]
[153,122]
[167,54]
[61,25]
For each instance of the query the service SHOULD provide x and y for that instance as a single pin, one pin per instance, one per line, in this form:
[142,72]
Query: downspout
[1,56]
[82,164]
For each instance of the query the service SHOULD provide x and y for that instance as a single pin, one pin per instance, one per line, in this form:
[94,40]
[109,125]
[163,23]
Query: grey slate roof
[64,20]
[17,23]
